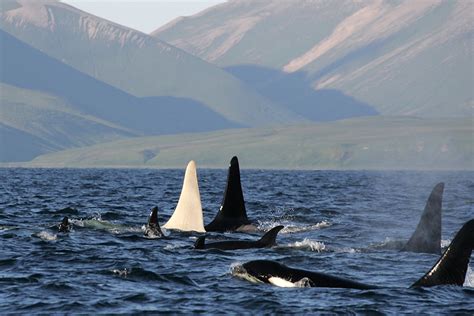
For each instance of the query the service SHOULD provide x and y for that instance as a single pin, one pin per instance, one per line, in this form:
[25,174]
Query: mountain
[136,63]
[360,143]
[394,57]
[63,107]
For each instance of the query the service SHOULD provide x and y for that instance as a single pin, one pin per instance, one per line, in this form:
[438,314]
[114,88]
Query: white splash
[291,228]
[120,273]
[44,235]
[469,280]
[309,244]
[445,243]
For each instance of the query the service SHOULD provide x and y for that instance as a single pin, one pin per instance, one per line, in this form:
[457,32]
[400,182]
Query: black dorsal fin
[153,227]
[199,244]
[232,213]
[269,239]
[427,236]
[452,266]
[153,219]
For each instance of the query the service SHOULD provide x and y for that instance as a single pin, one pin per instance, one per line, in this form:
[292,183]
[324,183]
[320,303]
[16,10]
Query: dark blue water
[334,221]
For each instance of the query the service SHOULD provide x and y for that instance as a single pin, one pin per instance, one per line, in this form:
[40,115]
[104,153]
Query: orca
[64,226]
[188,213]
[267,240]
[427,236]
[232,214]
[450,269]
[152,228]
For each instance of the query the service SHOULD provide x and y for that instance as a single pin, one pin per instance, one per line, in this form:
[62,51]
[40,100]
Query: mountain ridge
[400,57]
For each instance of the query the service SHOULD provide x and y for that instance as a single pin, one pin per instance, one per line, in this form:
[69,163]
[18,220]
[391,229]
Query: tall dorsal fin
[427,236]
[269,239]
[452,266]
[232,213]
[188,213]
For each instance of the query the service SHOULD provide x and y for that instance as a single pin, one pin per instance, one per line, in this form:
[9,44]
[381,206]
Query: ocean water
[336,222]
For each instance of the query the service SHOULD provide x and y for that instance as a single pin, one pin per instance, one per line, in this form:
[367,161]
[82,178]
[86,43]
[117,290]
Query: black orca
[65,226]
[449,270]
[232,213]
[152,229]
[427,236]
[267,240]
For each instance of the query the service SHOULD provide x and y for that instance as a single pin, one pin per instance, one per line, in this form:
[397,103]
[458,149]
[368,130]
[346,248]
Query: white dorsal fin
[188,213]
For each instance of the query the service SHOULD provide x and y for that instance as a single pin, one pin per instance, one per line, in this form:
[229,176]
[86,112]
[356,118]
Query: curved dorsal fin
[232,213]
[427,236]
[269,239]
[452,266]
[188,213]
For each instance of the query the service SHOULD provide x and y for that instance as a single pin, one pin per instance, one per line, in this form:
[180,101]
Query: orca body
[188,213]
[267,240]
[449,270]
[152,228]
[232,214]
[427,236]
[268,271]
[64,226]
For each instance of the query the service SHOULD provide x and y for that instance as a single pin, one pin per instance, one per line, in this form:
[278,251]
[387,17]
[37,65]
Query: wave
[98,223]
[291,228]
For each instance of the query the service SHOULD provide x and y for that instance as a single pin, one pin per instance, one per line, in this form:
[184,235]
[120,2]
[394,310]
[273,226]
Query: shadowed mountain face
[294,91]
[60,107]
[402,57]
[134,62]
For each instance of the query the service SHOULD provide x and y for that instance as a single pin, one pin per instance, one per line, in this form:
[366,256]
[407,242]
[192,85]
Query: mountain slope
[363,143]
[134,62]
[65,108]
[34,123]
[401,57]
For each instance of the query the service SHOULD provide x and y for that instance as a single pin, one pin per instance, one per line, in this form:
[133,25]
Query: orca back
[427,236]
[269,239]
[232,213]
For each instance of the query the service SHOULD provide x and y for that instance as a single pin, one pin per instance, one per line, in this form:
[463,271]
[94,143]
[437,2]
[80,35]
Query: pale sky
[142,15]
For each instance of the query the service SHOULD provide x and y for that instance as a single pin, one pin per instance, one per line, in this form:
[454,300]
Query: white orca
[232,214]
[188,213]
[450,269]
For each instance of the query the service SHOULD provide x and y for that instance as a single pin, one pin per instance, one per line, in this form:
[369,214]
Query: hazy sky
[142,15]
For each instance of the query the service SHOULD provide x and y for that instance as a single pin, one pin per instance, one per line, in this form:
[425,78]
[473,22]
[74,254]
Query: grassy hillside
[134,62]
[364,143]
[400,57]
